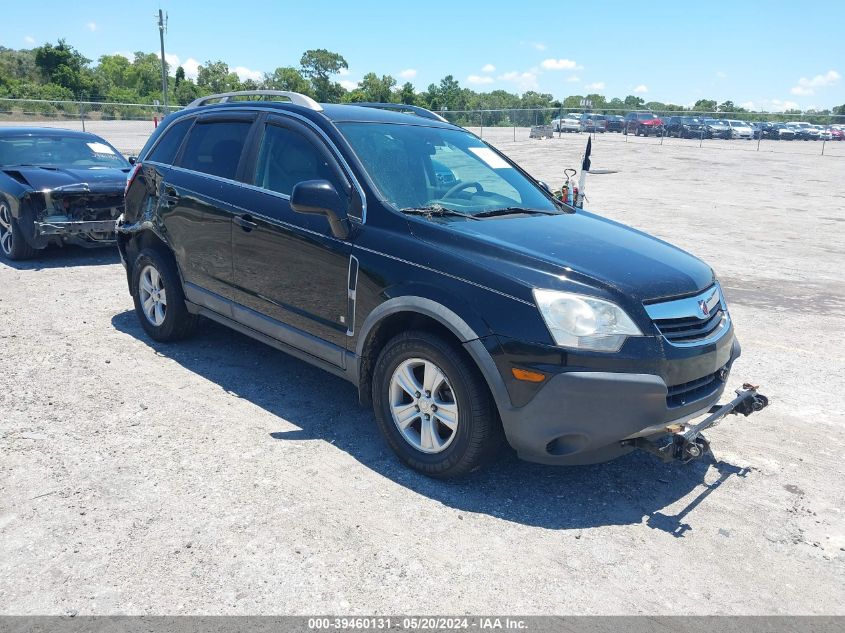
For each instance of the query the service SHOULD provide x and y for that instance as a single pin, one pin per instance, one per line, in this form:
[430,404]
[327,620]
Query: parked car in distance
[717,128]
[836,134]
[465,314]
[57,187]
[804,131]
[568,123]
[615,123]
[740,129]
[593,123]
[785,131]
[823,133]
[685,127]
[765,130]
[645,123]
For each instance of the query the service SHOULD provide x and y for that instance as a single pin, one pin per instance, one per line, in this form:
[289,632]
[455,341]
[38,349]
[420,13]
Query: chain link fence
[127,125]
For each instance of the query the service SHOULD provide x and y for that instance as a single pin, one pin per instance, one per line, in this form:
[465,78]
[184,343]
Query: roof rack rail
[225,97]
[402,107]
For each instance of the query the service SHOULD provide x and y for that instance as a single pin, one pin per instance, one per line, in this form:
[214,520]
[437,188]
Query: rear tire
[13,245]
[159,298]
[467,437]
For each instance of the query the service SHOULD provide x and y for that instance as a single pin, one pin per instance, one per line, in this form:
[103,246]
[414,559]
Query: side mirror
[132,159]
[319,197]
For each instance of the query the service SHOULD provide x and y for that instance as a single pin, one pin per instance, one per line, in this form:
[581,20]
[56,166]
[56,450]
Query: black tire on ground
[178,323]
[478,437]
[13,245]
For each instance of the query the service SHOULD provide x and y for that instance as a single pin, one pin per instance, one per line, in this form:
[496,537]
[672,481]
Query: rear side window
[215,148]
[165,150]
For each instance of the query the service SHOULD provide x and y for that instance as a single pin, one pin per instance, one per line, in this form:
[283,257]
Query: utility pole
[162,26]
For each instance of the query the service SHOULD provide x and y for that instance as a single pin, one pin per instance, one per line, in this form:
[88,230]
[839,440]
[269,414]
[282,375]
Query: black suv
[403,253]
[685,127]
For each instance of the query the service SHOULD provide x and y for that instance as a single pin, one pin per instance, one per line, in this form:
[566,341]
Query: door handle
[245,222]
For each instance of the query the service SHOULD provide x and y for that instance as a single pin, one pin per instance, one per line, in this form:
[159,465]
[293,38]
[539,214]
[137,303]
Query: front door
[290,272]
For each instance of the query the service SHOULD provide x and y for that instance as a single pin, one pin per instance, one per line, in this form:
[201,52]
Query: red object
[155,121]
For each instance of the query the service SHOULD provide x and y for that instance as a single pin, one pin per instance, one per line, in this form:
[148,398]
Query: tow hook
[687,441]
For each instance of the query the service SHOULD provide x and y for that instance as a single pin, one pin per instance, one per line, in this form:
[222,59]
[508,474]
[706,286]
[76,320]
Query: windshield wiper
[513,211]
[438,211]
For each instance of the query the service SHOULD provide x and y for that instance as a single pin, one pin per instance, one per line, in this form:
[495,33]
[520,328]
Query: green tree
[216,77]
[375,89]
[317,65]
[115,71]
[185,92]
[705,105]
[632,102]
[145,74]
[180,75]
[406,94]
[287,78]
[64,66]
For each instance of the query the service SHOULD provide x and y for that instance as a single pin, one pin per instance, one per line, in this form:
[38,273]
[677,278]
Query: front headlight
[584,322]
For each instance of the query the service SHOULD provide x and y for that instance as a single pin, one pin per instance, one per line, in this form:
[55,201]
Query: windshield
[417,167]
[55,151]
[645,116]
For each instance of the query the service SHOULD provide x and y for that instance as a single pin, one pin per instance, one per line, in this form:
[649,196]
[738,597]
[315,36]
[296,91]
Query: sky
[760,54]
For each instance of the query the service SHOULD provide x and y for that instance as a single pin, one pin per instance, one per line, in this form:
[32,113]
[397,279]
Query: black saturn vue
[57,187]
[467,309]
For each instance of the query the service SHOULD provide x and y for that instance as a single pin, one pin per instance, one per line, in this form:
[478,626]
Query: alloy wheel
[5,228]
[423,405]
[153,295]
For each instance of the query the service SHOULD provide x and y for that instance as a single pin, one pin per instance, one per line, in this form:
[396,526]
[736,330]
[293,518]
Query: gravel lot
[221,476]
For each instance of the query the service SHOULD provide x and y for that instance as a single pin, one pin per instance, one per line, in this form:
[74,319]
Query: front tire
[433,407]
[159,298]
[13,244]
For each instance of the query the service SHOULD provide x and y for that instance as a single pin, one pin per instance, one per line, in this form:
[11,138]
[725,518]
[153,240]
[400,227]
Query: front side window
[286,158]
[415,166]
[215,148]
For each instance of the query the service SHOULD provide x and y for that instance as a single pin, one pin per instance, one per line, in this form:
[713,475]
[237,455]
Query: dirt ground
[221,476]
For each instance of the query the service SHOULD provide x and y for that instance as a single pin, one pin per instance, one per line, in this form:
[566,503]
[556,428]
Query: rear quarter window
[165,150]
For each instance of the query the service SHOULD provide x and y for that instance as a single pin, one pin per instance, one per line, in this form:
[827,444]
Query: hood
[82,180]
[580,246]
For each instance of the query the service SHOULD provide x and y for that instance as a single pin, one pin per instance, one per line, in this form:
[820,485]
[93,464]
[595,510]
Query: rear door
[199,201]
[291,273]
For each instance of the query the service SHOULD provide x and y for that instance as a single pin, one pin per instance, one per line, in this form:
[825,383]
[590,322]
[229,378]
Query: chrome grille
[692,320]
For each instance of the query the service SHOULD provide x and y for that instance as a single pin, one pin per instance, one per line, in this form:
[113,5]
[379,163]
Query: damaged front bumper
[83,218]
[687,442]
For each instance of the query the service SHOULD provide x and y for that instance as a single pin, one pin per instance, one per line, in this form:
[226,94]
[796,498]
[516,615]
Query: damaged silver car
[57,187]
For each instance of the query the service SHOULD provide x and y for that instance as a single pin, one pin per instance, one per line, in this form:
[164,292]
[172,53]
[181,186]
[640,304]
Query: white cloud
[641,89]
[349,85]
[537,46]
[479,79]
[524,81]
[573,78]
[245,73]
[488,68]
[343,72]
[748,105]
[598,86]
[92,26]
[408,73]
[29,39]
[721,75]
[559,64]
[776,105]
[807,86]
[802,91]
[191,68]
